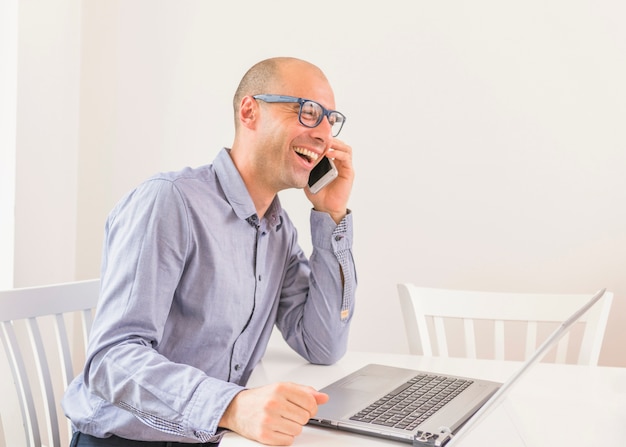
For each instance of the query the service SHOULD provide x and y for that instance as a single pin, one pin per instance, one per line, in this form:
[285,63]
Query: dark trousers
[83,440]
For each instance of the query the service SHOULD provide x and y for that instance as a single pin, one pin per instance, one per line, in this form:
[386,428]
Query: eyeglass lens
[312,114]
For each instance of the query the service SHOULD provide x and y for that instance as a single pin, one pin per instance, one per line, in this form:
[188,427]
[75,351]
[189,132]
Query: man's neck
[261,197]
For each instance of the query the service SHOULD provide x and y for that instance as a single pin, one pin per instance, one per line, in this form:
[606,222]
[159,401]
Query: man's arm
[146,245]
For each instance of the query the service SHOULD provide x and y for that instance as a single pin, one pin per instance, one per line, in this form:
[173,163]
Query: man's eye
[309,111]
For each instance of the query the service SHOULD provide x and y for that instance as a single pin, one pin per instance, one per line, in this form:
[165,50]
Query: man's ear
[248,112]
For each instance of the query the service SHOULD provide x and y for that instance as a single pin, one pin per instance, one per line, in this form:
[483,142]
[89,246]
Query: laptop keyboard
[410,404]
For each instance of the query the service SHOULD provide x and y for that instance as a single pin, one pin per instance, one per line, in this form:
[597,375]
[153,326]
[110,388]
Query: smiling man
[200,265]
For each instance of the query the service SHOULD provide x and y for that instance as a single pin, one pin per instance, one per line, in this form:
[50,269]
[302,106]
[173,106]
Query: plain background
[489,138]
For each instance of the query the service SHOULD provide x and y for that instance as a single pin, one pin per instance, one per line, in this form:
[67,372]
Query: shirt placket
[244,344]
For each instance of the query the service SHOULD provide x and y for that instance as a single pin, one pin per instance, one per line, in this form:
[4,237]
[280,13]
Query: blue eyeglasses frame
[340,118]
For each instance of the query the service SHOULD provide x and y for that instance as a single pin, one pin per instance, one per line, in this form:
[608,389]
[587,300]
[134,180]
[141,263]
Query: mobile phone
[322,174]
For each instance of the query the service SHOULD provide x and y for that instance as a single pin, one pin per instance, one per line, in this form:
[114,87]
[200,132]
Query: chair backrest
[430,315]
[44,337]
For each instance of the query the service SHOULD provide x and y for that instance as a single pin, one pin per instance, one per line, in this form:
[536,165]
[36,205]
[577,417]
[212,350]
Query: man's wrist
[338,217]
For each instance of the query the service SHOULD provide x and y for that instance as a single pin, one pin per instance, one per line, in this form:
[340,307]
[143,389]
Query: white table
[553,405]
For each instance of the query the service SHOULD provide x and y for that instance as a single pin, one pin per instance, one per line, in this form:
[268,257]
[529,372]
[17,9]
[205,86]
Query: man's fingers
[304,400]
[321,398]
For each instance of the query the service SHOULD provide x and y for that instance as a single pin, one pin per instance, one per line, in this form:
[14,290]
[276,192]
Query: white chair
[430,315]
[44,332]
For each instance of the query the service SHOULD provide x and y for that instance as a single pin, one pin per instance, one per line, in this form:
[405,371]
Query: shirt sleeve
[146,244]
[317,301]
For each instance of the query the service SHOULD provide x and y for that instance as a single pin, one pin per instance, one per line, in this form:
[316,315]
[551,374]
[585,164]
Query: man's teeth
[307,153]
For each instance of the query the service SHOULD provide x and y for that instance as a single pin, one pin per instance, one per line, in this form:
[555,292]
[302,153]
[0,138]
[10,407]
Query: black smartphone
[322,174]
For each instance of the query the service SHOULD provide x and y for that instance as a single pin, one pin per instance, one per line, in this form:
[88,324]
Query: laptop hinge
[427,439]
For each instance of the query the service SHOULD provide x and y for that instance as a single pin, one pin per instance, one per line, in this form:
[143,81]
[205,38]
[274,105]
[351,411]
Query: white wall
[488,137]
[8,112]
[47,141]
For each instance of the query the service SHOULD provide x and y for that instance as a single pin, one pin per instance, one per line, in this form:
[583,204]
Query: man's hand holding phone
[332,197]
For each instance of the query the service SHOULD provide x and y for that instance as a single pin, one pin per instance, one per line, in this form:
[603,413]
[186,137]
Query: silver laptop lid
[499,395]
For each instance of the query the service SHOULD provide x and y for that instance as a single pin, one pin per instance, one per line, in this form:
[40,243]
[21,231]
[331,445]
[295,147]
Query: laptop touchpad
[366,383]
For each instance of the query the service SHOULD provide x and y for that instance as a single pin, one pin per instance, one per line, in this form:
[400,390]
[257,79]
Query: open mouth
[308,155]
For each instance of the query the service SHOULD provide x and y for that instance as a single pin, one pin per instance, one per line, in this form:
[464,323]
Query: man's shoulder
[199,173]
[184,180]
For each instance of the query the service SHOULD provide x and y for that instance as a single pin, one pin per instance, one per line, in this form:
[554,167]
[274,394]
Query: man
[198,267]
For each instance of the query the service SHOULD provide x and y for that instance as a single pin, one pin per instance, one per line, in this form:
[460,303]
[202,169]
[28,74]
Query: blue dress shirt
[192,286]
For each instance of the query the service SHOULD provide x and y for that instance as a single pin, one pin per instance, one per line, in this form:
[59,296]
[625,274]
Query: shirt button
[237,367]
[338,237]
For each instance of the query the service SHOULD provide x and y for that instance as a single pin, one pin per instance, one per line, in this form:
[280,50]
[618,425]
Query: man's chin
[296,184]
[301,184]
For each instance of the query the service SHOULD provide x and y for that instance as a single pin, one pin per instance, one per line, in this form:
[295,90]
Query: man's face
[287,150]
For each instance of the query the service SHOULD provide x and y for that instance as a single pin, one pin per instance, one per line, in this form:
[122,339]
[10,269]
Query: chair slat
[498,337]
[561,349]
[470,338]
[65,350]
[531,339]
[86,323]
[2,436]
[442,342]
[45,381]
[65,357]
[24,390]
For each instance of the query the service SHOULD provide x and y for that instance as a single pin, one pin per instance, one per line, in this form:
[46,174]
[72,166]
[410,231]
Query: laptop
[418,407]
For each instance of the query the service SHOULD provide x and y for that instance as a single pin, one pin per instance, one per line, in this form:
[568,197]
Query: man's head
[280,142]
[272,76]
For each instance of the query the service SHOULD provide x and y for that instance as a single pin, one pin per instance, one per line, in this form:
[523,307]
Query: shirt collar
[237,194]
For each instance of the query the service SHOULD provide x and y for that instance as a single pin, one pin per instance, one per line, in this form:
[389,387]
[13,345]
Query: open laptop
[374,400]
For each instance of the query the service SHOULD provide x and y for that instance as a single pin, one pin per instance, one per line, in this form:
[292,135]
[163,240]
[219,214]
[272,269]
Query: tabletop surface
[553,405]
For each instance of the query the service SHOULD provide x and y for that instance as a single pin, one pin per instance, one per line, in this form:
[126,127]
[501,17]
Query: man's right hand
[273,414]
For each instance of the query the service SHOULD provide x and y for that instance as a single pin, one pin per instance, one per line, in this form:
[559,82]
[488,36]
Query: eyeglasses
[311,113]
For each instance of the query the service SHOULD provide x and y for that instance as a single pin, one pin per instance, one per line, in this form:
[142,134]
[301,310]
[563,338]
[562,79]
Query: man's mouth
[308,155]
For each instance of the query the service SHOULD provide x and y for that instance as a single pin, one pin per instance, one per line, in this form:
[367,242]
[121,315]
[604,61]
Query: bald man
[199,266]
